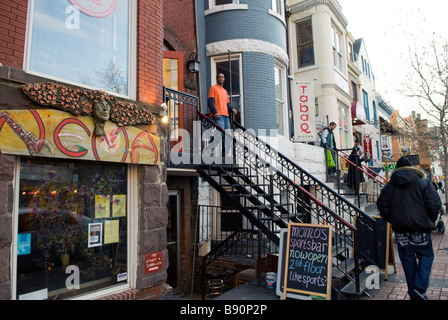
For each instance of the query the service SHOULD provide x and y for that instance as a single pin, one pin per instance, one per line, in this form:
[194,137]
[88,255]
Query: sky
[388,28]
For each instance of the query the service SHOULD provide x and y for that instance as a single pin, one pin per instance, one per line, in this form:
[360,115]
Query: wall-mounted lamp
[193,63]
[163,113]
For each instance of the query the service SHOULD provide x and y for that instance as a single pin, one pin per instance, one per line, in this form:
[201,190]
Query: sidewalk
[395,287]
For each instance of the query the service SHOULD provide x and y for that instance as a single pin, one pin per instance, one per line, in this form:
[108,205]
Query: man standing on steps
[219,106]
[411,204]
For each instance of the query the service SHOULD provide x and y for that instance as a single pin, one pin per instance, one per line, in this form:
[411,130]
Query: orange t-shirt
[221,99]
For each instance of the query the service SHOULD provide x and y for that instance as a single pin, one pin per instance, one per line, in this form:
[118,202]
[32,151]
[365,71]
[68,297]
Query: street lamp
[163,113]
[193,63]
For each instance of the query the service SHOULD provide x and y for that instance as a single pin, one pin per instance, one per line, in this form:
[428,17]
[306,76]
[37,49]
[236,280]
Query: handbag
[330,161]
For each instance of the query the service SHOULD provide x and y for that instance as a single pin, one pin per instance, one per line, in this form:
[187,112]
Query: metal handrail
[338,222]
[303,173]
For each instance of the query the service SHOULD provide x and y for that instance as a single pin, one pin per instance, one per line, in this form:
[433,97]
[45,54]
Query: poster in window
[111,231]
[95,235]
[102,207]
[24,244]
[118,205]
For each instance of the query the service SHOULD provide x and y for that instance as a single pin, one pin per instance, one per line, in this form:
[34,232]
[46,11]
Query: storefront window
[72,228]
[85,42]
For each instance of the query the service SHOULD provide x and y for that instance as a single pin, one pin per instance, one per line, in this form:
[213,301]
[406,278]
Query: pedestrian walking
[411,204]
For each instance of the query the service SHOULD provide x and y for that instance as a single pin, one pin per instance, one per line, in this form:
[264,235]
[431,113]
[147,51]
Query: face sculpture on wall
[97,103]
[101,113]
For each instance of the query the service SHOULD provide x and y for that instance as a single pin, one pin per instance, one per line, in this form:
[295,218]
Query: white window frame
[223,58]
[300,67]
[284,102]
[213,8]
[278,10]
[132,240]
[338,49]
[344,130]
[132,52]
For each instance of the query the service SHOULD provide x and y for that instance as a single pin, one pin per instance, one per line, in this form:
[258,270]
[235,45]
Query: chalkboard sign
[307,267]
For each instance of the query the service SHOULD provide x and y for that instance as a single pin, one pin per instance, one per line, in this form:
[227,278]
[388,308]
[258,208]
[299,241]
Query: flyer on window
[118,205]
[102,207]
[95,234]
[111,231]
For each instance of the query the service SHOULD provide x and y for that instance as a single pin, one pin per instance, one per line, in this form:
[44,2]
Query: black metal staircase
[272,191]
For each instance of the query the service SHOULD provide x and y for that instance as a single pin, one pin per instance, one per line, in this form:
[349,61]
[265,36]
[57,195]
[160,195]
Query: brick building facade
[143,224]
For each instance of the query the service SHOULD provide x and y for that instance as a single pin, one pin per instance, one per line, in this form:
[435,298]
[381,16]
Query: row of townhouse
[112,193]
[275,55]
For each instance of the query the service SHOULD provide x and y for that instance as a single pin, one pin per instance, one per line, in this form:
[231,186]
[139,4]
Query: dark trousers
[416,256]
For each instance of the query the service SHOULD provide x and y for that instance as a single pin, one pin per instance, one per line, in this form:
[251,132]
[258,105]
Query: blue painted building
[253,36]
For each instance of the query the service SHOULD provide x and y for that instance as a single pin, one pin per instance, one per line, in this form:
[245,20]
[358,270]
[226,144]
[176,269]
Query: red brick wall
[180,33]
[150,51]
[13,14]
[13,17]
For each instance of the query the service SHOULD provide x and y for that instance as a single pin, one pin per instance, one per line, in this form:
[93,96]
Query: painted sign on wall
[304,111]
[58,134]
[153,262]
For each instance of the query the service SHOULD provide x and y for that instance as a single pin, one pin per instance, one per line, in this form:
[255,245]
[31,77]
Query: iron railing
[283,192]
[371,186]
[288,192]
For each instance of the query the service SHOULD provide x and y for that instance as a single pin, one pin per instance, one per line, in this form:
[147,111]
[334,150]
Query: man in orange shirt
[219,105]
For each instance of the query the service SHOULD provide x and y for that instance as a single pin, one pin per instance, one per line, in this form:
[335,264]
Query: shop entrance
[173,236]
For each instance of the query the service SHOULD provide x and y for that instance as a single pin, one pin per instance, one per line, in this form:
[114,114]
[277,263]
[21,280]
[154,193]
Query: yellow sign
[58,134]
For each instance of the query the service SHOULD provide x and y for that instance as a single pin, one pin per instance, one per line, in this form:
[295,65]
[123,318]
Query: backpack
[319,134]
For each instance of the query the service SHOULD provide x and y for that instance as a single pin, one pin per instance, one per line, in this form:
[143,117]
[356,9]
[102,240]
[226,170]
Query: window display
[72,228]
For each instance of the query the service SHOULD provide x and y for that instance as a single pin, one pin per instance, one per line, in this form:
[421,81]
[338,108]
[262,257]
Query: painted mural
[58,134]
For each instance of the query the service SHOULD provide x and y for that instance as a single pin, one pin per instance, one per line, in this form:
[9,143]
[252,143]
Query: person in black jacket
[411,204]
[355,175]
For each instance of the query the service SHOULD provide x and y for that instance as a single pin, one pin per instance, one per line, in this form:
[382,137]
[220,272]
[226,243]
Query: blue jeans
[416,256]
[224,123]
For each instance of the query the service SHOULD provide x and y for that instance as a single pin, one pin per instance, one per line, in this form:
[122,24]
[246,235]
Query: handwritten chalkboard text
[308,265]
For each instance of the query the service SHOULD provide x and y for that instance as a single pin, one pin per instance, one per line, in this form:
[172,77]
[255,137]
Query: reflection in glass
[59,202]
[71,45]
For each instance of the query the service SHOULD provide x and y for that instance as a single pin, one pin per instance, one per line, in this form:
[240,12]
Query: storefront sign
[96,8]
[367,142]
[59,134]
[153,262]
[385,143]
[304,111]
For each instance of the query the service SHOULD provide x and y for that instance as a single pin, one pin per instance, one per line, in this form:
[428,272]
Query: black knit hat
[403,162]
